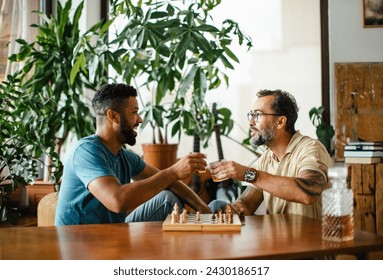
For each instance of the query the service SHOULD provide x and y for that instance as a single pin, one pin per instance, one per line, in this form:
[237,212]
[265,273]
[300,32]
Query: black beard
[127,134]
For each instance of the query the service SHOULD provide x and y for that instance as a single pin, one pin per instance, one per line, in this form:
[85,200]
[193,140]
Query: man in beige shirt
[291,175]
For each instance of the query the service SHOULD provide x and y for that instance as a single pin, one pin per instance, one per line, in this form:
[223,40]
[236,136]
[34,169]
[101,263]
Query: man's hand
[240,210]
[228,169]
[188,165]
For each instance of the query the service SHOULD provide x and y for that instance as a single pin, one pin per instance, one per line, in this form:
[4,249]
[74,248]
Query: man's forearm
[249,201]
[305,188]
[188,196]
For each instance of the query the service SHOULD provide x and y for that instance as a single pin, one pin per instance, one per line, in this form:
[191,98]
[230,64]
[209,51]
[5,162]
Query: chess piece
[228,209]
[175,208]
[176,212]
[173,220]
[184,216]
[230,219]
[198,217]
[220,218]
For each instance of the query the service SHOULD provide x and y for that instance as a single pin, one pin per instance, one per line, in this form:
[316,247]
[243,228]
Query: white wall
[90,15]
[349,41]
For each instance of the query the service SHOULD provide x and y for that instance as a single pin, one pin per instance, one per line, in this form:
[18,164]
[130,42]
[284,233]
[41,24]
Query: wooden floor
[371,256]
[27,220]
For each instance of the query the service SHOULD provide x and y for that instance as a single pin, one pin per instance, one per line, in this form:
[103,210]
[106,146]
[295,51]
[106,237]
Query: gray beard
[263,137]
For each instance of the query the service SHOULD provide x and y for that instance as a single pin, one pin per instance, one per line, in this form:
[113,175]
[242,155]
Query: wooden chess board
[206,223]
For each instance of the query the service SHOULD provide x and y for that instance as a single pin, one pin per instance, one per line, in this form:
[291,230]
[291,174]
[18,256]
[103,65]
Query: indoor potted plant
[324,131]
[49,74]
[20,148]
[173,53]
[46,76]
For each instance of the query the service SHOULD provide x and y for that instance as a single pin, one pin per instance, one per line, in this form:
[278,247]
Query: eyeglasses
[255,115]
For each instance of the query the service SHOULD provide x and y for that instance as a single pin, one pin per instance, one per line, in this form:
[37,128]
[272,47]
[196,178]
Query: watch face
[249,175]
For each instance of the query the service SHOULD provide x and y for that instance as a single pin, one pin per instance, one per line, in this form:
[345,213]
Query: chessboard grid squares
[204,225]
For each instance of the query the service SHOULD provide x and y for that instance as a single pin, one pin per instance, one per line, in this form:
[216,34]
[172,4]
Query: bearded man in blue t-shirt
[106,183]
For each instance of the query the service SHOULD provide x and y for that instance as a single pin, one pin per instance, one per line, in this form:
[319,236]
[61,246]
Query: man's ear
[113,116]
[282,121]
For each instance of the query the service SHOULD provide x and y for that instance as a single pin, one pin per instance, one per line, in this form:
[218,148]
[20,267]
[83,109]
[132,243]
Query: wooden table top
[262,237]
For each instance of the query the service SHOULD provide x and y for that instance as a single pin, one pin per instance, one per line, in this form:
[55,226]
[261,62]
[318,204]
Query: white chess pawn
[184,215]
[175,208]
[198,217]
[173,220]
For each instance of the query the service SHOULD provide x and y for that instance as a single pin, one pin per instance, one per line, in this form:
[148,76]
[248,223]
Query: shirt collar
[294,141]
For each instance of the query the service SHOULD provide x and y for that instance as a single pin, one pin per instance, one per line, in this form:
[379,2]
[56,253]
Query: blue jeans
[155,209]
[230,194]
[216,204]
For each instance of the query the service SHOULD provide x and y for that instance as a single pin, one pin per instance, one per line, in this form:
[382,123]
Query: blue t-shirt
[89,160]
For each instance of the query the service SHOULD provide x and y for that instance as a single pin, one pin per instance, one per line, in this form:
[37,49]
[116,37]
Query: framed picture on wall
[372,13]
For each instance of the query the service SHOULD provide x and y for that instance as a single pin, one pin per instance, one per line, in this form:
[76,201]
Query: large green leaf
[187,81]
[207,28]
[80,62]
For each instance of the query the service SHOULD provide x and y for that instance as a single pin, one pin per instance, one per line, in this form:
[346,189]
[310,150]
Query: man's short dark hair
[111,96]
[284,104]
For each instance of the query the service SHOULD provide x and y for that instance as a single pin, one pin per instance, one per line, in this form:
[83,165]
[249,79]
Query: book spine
[363,153]
[362,148]
[365,143]
[362,160]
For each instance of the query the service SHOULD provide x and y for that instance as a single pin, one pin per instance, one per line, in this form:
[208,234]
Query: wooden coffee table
[262,237]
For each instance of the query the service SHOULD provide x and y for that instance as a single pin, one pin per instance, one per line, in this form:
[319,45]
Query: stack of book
[363,152]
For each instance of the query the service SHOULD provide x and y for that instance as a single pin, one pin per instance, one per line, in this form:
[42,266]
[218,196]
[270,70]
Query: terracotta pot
[160,155]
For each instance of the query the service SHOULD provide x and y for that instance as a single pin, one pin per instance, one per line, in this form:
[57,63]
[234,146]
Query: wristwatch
[250,175]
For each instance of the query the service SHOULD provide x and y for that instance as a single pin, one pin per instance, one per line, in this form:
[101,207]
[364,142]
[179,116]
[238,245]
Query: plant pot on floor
[14,205]
[19,198]
[160,155]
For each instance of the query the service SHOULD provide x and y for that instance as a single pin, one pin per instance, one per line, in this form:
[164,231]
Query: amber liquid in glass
[337,228]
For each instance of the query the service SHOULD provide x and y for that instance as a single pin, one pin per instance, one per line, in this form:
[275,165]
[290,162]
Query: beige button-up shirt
[303,153]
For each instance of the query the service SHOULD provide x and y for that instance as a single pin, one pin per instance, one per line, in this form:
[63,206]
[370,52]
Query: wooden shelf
[366,181]
[36,192]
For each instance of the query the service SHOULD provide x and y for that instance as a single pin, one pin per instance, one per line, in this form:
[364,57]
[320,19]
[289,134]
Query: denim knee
[155,209]
[217,204]
[168,199]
